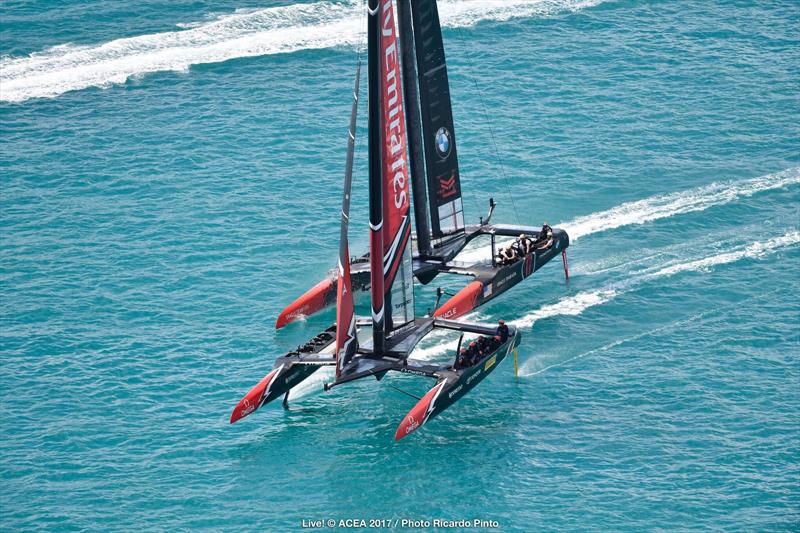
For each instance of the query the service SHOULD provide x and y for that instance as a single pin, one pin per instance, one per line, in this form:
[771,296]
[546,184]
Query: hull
[452,386]
[289,371]
[312,301]
[452,383]
[493,280]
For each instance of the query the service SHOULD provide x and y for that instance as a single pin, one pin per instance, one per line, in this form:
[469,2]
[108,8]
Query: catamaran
[410,131]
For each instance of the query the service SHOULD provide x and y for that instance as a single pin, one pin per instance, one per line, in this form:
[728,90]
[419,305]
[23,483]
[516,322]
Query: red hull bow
[252,399]
[316,298]
[462,303]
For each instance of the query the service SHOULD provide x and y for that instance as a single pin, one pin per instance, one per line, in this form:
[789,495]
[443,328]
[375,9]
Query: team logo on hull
[442,142]
[248,407]
[412,424]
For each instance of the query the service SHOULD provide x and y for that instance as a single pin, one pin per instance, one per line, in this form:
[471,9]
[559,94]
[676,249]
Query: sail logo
[393,117]
[411,371]
[450,312]
[442,142]
[447,186]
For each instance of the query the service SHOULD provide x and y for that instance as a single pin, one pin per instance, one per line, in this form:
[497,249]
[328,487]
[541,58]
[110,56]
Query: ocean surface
[170,179]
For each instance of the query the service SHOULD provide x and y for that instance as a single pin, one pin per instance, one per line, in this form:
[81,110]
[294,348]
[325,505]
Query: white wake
[246,33]
[668,205]
[659,207]
[578,303]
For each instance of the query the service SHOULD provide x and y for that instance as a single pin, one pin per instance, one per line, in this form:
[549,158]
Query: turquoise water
[167,190]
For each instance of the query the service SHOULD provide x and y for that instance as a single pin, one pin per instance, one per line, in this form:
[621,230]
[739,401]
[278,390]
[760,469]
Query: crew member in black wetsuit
[473,353]
[463,359]
[502,331]
[483,346]
[525,244]
[496,342]
[545,239]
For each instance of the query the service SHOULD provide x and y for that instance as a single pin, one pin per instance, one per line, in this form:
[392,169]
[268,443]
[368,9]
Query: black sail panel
[438,134]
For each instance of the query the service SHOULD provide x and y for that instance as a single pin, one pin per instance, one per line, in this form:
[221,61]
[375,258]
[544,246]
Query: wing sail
[397,267]
[346,340]
[438,133]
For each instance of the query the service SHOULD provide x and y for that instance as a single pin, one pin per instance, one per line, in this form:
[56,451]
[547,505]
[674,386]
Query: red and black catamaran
[411,135]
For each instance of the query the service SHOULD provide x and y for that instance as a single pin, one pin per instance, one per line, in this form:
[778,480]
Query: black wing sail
[438,134]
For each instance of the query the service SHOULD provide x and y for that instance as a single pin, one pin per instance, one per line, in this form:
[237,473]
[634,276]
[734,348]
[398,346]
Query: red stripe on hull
[463,302]
[315,299]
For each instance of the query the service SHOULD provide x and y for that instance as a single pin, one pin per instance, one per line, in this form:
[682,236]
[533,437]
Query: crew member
[483,345]
[462,361]
[525,244]
[508,255]
[473,353]
[502,331]
[545,239]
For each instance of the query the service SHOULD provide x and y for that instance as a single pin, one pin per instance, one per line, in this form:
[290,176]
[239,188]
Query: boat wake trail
[245,33]
[527,369]
[668,205]
[578,303]
[661,206]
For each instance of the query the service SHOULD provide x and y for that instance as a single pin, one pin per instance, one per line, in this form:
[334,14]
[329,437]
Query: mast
[346,339]
[419,188]
[375,182]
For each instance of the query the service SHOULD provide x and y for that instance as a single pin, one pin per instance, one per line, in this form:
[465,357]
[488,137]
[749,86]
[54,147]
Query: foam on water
[313,384]
[668,205]
[249,33]
[577,304]
[661,206]
[533,367]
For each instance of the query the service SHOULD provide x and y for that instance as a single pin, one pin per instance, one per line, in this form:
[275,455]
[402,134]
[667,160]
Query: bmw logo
[443,142]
